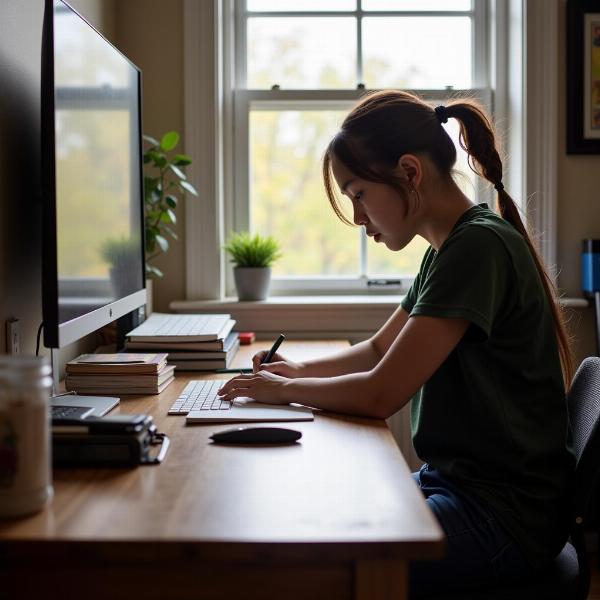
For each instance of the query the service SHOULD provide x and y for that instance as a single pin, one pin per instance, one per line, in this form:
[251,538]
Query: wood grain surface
[342,495]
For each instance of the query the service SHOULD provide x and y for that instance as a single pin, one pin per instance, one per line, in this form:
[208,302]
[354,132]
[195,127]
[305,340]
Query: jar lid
[24,364]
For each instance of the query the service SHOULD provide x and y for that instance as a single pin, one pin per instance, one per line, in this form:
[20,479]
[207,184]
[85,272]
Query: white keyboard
[187,325]
[200,395]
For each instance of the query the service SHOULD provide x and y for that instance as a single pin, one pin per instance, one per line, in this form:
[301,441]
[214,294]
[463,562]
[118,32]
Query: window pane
[301,52]
[417,52]
[416,5]
[287,198]
[381,261]
[300,5]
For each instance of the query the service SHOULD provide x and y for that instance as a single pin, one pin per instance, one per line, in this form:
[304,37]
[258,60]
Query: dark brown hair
[387,124]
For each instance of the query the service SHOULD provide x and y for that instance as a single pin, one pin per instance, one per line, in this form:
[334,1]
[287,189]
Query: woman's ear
[410,168]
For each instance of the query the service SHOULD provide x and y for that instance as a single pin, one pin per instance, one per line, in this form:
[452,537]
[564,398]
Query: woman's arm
[421,347]
[360,357]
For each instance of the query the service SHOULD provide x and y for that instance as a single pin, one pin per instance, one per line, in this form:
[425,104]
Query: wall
[150,33]
[20,188]
[20,32]
[578,209]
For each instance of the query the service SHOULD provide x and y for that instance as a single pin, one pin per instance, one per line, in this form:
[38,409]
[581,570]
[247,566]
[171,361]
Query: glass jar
[25,454]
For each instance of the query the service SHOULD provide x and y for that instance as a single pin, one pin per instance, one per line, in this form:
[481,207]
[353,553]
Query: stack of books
[122,373]
[195,342]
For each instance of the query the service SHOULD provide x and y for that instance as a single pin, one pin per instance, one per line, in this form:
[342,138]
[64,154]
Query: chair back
[583,402]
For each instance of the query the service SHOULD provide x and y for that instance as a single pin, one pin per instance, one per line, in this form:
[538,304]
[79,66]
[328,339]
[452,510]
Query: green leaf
[188,187]
[171,233]
[147,159]
[252,251]
[182,160]
[158,158]
[177,172]
[153,271]
[162,242]
[172,216]
[151,140]
[171,201]
[153,215]
[151,182]
[169,141]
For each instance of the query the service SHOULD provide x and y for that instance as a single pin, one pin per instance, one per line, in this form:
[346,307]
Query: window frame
[525,97]
[246,100]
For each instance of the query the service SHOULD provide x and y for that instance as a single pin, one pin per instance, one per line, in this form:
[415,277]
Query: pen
[273,349]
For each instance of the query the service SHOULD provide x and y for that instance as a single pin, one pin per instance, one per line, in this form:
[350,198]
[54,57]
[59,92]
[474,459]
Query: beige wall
[20,158]
[100,13]
[150,33]
[578,209]
[20,191]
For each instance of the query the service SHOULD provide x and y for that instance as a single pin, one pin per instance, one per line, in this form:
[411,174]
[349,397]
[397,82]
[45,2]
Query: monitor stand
[100,404]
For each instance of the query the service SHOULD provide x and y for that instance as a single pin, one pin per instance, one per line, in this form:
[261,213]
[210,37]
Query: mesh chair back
[584,416]
[584,405]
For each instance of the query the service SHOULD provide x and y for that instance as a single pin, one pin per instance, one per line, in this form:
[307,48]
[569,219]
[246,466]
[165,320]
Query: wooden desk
[335,516]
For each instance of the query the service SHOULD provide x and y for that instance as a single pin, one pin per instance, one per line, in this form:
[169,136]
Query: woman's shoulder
[486,230]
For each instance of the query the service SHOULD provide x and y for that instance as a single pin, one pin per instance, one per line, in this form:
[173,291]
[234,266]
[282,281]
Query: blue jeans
[479,551]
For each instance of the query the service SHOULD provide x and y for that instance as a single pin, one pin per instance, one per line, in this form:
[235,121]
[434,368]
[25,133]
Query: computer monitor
[93,221]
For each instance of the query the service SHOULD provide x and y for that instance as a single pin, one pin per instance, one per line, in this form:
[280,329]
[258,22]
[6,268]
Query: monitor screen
[93,197]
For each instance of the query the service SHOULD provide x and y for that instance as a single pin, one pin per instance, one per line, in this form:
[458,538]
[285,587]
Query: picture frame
[583,77]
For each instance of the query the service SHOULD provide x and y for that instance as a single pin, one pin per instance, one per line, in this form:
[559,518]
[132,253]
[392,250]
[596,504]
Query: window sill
[354,317]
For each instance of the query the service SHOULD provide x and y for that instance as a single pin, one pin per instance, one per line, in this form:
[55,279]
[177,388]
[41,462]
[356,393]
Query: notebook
[162,327]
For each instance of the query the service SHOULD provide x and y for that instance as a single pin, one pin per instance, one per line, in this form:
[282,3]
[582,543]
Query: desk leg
[384,579]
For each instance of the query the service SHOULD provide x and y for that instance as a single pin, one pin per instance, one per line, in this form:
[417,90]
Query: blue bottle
[590,280]
[590,267]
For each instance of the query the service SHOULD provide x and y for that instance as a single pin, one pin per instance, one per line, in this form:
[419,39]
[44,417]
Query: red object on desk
[247,337]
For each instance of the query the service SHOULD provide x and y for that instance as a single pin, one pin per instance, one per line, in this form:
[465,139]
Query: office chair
[568,575]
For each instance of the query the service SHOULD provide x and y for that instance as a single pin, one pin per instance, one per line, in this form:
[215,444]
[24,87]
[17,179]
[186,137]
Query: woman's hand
[262,387]
[279,365]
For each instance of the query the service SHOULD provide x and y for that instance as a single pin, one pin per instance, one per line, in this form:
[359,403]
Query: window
[299,66]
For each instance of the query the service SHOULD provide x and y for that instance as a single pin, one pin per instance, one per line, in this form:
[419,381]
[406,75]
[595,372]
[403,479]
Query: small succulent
[120,251]
[248,250]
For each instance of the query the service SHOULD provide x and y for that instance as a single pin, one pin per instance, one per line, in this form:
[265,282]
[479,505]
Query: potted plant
[122,256]
[164,181]
[252,257]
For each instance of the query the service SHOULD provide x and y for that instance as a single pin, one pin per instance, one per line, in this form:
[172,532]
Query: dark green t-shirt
[493,417]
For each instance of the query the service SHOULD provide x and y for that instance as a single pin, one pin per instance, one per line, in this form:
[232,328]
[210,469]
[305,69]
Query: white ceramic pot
[252,283]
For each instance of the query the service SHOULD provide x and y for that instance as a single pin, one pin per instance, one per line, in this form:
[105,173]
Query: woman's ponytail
[478,139]
[386,124]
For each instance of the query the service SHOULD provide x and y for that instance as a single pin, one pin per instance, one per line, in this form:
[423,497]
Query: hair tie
[442,113]
[499,186]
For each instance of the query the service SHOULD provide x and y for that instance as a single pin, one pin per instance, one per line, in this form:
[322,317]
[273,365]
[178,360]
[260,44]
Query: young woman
[478,343]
